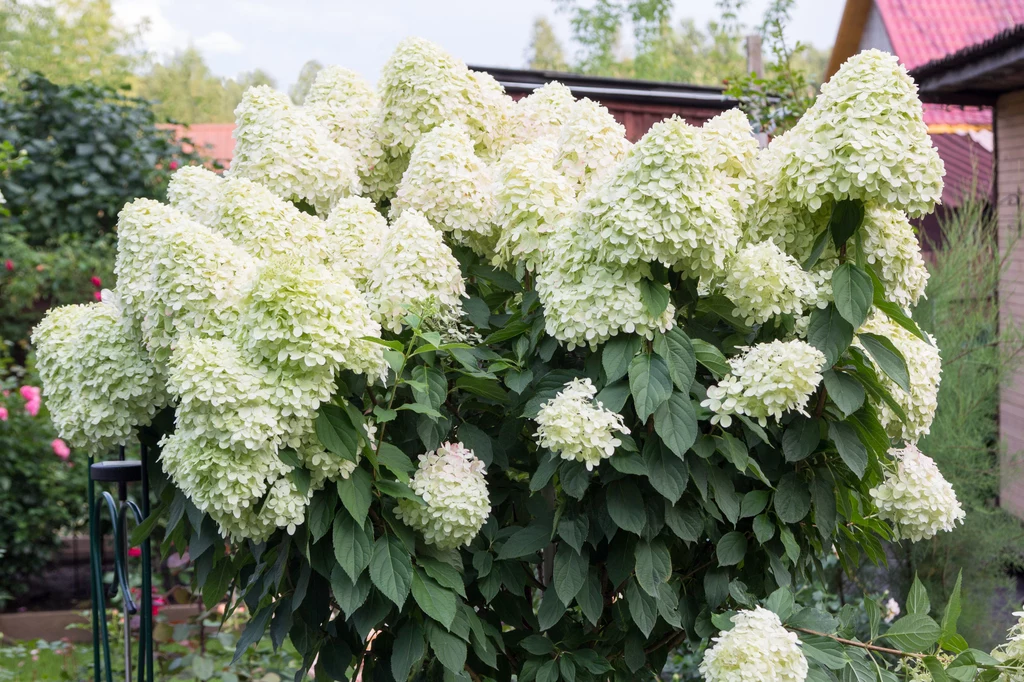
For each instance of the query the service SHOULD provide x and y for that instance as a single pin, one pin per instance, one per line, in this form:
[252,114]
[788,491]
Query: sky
[279,36]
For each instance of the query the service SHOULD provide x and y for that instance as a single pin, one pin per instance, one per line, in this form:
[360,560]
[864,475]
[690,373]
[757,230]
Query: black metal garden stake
[122,472]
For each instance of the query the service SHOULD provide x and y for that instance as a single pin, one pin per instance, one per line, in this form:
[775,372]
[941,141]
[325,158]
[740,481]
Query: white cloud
[219,42]
[160,35]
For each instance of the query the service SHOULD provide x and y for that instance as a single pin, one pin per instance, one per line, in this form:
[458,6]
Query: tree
[529,428]
[684,54]
[68,41]
[185,90]
[545,51]
[89,148]
[307,74]
[775,101]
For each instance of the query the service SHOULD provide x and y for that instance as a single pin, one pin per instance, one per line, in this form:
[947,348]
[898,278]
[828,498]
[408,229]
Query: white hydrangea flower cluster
[421,275]
[757,649]
[668,200]
[345,104]
[356,234]
[97,378]
[733,150]
[765,381]
[264,225]
[532,200]
[587,303]
[197,278]
[891,247]
[542,114]
[227,483]
[662,203]
[590,144]
[915,497]
[220,394]
[763,282]
[138,227]
[793,227]
[577,427]
[244,322]
[303,316]
[196,192]
[451,483]
[864,138]
[285,148]
[925,368]
[422,87]
[451,187]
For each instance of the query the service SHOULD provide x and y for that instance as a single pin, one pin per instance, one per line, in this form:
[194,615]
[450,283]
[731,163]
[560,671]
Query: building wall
[1009,131]
[875,35]
[638,117]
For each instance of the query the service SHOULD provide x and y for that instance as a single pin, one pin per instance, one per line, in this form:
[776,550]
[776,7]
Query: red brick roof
[213,140]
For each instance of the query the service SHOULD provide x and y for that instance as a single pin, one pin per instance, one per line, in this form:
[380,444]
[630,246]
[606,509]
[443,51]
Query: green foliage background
[962,311]
[40,495]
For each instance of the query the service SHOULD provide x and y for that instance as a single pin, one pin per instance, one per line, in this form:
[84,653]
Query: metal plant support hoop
[120,472]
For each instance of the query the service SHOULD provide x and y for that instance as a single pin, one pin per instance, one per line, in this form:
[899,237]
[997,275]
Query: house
[212,140]
[918,32]
[990,73]
[637,105]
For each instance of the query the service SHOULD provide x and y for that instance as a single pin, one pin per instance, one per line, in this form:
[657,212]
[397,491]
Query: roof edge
[606,88]
[848,37]
[1003,40]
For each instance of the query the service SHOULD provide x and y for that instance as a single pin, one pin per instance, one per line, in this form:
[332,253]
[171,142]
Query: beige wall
[1009,132]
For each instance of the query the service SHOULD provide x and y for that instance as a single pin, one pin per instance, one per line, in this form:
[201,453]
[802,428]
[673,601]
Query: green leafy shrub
[962,311]
[90,149]
[575,403]
[41,487]
[34,279]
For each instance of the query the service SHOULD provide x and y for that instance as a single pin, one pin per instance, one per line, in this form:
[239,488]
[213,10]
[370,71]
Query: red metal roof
[947,114]
[923,30]
[213,140]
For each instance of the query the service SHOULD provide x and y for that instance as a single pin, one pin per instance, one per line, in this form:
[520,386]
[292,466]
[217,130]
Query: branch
[820,407]
[861,645]
[671,639]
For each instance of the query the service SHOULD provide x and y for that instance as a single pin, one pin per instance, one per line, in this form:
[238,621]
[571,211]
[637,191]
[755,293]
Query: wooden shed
[636,104]
[991,73]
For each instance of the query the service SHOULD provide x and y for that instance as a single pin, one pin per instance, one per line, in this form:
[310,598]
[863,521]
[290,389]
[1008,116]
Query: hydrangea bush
[478,389]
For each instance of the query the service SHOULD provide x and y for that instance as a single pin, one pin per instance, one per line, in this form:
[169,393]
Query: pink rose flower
[33,399]
[60,448]
[98,295]
[3,413]
[9,264]
[173,165]
[96,281]
[134,552]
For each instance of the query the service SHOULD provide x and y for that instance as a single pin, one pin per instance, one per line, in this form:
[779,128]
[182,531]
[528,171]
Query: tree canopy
[683,53]
[68,41]
[185,90]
